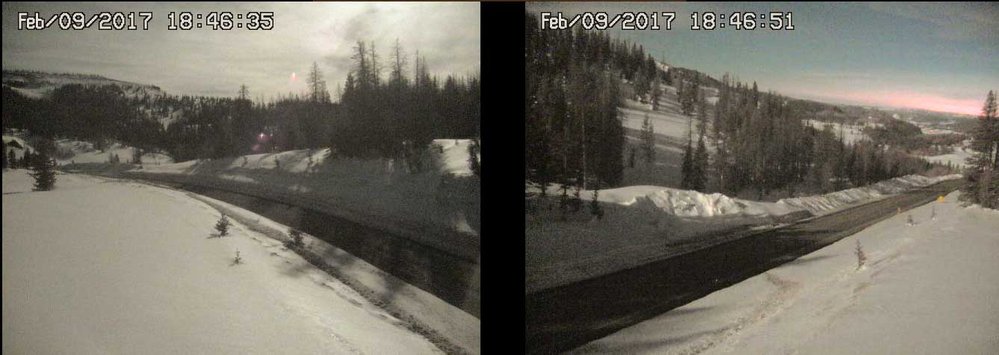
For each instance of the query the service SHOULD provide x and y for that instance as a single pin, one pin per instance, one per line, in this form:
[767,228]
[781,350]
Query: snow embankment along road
[928,288]
[437,207]
[835,201]
[642,224]
[99,266]
[563,318]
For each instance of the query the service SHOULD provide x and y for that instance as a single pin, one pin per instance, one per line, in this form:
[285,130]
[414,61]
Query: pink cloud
[910,100]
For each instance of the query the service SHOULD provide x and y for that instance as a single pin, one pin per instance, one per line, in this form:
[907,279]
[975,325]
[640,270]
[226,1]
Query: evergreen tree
[686,170]
[595,207]
[648,141]
[43,170]
[222,226]
[983,180]
[699,166]
[12,159]
[4,157]
[473,157]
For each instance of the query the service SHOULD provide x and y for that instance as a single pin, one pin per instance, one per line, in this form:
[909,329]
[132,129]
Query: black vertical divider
[502,130]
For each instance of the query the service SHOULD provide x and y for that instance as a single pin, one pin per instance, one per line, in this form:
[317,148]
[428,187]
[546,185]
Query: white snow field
[73,151]
[643,224]
[83,152]
[850,133]
[959,157]
[438,207]
[101,266]
[929,288]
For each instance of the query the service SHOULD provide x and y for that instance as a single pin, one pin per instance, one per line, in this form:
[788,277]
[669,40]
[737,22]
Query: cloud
[207,62]
[953,21]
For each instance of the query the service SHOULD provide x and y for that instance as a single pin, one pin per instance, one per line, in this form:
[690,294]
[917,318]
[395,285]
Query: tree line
[375,116]
[574,134]
[982,174]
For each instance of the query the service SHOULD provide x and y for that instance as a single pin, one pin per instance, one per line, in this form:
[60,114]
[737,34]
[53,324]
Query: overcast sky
[936,56]
[215,63]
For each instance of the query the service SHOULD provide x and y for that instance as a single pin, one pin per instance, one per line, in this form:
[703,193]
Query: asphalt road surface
[450,278]
[563,318]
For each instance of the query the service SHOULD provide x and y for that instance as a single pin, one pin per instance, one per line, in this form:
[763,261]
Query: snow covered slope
[82,152]
[40,84]
[929,288]
[97,267]
[838,200]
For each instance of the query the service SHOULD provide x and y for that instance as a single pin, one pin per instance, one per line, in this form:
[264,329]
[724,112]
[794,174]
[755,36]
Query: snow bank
[925,289]
[683,203]
[437,206]
[104,267]
[643,224]
[834,201]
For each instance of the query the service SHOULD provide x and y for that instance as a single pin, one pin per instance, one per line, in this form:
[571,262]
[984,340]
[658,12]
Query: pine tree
[648,141]
[473,157]
[699,166]
[12,159]
[595,208]
[222,226]
[686,170]
[43,170]
[983,183]
[4,157]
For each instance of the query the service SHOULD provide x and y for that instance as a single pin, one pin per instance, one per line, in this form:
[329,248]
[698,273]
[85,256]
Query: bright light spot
[294,77]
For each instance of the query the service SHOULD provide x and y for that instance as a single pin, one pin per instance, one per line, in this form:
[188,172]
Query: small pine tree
[631,158]
[909,221]
[296,237]
[473,157]
[563,201]
[4,157]
[595,208]
[648,137]
[861,257]
[43,172]
[222,225]
[237,259]
[12,159]
[577,202]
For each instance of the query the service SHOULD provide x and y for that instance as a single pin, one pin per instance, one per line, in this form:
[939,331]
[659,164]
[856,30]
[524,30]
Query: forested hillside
[370,116]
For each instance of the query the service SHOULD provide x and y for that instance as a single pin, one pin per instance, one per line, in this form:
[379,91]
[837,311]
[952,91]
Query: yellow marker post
[940,199]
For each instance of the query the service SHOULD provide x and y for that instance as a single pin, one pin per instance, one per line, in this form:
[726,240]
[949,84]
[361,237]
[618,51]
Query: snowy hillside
[41,84]
[438,206]
[647,223]
[70,151]
[851,133]
[929,288]
[100,266]
[82,152]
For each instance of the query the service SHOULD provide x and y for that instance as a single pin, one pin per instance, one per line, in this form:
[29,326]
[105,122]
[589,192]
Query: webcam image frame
[761,177]
[241,178]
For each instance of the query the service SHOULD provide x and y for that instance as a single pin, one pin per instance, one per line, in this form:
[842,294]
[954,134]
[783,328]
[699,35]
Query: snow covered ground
[73,151]
[958,157]
[851,133]
[648,223]
[105,266]
[930,288]
[438,207]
